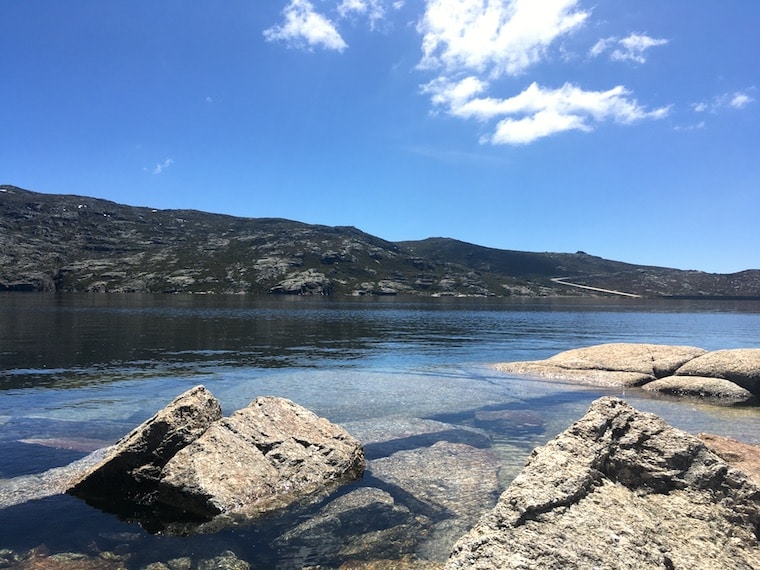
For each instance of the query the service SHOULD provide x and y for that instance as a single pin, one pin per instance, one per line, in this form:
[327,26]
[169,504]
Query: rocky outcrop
[740,366]
[309,282]
[722,376]
[264,457]
[615,364]
[716,389]
[187,462]
[619,489]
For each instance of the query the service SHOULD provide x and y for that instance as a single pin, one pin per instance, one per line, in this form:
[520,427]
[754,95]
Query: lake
[79,371]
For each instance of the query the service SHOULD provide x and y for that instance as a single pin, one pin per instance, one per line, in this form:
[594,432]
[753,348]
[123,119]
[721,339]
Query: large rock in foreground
[187,464]
[619,489]
[264,457]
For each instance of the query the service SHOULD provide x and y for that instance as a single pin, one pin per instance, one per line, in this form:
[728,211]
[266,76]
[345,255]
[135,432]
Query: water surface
[80,370]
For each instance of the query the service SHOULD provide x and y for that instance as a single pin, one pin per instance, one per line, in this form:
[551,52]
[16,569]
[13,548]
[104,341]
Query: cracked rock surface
[620,488]
[263,457]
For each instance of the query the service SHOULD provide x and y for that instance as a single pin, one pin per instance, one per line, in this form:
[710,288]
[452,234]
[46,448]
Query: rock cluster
[309,282]
[721,376]
[189,461]
[619,489]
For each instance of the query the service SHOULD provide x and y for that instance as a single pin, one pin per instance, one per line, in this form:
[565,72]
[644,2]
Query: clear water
[79,371]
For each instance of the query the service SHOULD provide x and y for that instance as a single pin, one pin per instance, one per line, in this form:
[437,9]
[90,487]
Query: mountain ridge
[70,243]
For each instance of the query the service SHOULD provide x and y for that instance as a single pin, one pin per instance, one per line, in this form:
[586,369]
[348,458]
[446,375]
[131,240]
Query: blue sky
[629,130]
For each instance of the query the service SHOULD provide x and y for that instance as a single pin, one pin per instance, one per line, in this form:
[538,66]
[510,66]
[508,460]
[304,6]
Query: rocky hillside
[79,244]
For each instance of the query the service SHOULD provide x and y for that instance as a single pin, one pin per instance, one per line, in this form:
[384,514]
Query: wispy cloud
[632,48]
[537,111]
[373,10]
[734,100]
[304,27]
[161,166]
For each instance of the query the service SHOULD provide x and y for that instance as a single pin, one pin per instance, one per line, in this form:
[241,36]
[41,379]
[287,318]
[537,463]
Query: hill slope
[75,244]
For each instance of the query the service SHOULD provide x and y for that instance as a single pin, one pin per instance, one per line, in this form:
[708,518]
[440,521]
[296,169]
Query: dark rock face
[619,489]
[132,468]
[723,377]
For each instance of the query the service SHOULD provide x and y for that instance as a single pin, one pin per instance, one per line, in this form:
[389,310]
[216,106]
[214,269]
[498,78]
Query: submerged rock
[451,483]
[364,524]
[511,420]
[619,489]
[40,558]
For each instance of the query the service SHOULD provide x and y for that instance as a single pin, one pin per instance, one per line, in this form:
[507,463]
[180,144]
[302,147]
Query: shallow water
[77,372]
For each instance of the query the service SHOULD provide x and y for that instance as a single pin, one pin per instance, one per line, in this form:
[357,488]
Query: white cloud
[473,44]
[495,36]
[631,48]
[304,27]
[735,100]
[538,112]
[161,166]
[740,100]
[454,95]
